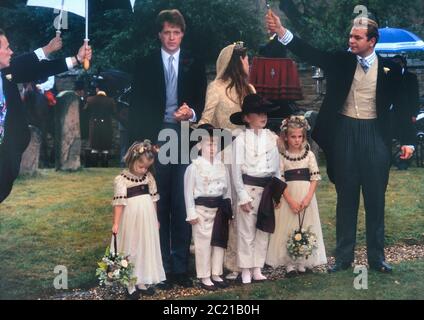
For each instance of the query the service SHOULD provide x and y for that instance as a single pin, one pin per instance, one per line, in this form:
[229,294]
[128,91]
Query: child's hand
[247,207]
[115,228]
[194,221]
[305,202]
[295,206]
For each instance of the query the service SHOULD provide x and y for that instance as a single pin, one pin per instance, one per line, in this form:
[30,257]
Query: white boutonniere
[9,77]
[386,70]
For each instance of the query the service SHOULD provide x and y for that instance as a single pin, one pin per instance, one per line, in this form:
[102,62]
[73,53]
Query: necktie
[364,64]
[171,91]
[1,89]
[171,71]
[2,110]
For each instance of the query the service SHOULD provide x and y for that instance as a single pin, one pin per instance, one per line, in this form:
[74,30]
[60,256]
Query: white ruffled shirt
[205,179]
[255,155]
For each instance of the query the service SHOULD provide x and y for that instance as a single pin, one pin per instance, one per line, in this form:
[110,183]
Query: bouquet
[115,268]
[302,242]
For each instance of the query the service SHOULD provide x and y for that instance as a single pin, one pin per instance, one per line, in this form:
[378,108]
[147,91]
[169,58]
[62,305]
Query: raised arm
[299,47]
[28,67]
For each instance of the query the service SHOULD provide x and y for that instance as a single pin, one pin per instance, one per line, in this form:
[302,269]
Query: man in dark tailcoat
[14,132]
[353,129]
[409,100]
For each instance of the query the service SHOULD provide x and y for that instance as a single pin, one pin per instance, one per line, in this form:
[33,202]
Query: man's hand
[406,152]
[54,45]
[183,113]
[273,24]
[84,53]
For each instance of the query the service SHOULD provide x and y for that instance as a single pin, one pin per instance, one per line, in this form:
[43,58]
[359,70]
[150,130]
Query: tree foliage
[119,37]
[326,23]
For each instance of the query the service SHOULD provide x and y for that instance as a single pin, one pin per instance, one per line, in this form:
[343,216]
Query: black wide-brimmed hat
[252,103]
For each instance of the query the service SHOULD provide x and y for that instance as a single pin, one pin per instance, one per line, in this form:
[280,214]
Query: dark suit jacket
[24,68]
[148,99]
[411,97]
[339,70]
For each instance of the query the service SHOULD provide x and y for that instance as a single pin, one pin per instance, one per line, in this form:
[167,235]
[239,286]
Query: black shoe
[183,280]
[133,296]
[206,287]
[291,274]
[267,267]
[165,285]
[382,267]
[220,284]
[150,291]
[339,266]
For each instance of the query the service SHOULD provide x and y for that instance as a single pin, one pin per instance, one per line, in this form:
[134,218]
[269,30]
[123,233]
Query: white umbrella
[79,7]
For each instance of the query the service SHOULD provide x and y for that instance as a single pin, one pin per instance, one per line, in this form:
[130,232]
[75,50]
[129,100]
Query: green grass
[405,283]
[57,218]
[60,218]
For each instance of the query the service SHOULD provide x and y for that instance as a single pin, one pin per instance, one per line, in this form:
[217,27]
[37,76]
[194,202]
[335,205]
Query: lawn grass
[405,283]
[61,218]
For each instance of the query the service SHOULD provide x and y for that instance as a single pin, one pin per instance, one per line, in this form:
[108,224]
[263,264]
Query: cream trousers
[252,243]
[209,259]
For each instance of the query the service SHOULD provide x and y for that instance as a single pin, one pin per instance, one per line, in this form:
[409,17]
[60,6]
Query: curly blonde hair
[138,150]
[294,122]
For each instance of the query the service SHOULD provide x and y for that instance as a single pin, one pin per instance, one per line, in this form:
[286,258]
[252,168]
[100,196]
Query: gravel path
[394,255]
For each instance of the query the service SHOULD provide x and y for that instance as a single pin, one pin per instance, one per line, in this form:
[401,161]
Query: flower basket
[115,269]
[302,242]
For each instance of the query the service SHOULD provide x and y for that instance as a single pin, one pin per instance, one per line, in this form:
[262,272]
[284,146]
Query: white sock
[131,289]
[217,278]
[142,286]
[289,268]
[207,281]
[246,277]
[257,274]
[301,269]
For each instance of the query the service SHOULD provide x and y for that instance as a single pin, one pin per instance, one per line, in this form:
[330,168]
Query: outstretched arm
[299,47]
[29,67]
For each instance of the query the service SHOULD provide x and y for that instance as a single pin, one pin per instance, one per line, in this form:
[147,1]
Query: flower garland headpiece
[145,146]
[295,122]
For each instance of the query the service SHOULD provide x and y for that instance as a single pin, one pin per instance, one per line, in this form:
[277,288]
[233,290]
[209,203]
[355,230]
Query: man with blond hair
[353,129]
